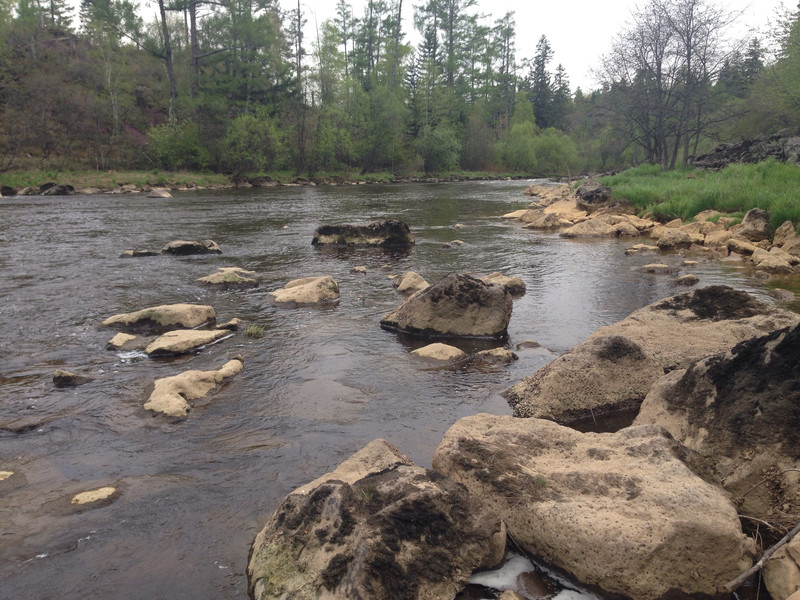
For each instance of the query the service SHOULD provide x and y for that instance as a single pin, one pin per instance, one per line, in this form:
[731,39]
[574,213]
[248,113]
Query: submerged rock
[164,318]
[63,379]
[378,233]
[377,527]
[459,305]
[171,395]
[618,511]
[308,290]
[738,411]
[185,248]
[97,496]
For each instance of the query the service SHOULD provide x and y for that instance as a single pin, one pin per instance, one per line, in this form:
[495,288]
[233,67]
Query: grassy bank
[769,185]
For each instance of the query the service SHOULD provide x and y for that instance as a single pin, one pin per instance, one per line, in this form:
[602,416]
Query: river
[317,386]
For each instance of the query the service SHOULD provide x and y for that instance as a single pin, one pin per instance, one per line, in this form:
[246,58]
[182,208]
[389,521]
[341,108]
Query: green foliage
[439,148]
[255,331]
[251,144]
[176,147]
[556,153]
[769,185]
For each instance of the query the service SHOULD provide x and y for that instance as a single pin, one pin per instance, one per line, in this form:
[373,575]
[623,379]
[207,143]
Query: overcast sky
[579,31]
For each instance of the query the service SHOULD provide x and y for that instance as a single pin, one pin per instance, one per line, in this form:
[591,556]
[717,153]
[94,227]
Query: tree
[661,70]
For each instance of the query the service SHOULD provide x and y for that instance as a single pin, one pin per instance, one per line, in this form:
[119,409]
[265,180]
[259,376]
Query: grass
[255,331]
[683,193]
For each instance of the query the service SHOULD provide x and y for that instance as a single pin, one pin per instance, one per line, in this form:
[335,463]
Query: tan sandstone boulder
[230,277]
[308,290]
[410,283]
[738,411]
[619,511]
[618,363]
[512,284]
[164,318]
[782,571]
[377,527]
[458,305]
[171,395]
[183,341]
[439,351]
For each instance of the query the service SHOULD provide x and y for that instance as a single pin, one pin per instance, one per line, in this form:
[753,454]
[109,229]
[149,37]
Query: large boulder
[183,341]
[673,239]
[164,318]
[171,395]
[738,411]
[377,527]
[459,305]
[185,247]
[378,233]
[308,290]
[619,511]
[617,365]
[601,375]
[782,571]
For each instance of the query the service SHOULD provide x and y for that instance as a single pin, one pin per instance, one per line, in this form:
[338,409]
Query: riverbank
[26,183]
[733,190]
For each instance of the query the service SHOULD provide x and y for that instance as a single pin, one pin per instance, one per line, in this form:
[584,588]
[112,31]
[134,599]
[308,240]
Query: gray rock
[459,305]
[377,233]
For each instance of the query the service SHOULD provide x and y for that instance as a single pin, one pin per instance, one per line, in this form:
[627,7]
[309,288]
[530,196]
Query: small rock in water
[5,475]
[360,269]
[91,496]
[656,268]
[687,280]
[528,344]
[62,379]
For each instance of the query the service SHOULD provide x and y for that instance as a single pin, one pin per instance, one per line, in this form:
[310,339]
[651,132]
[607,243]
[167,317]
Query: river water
[319,384]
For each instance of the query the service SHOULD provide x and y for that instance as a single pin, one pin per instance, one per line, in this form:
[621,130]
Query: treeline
[235,86]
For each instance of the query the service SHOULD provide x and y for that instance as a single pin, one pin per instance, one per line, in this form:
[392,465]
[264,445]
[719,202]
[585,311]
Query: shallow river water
[319,384]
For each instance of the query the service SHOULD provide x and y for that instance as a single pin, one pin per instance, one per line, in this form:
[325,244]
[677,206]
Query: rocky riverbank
[660,508]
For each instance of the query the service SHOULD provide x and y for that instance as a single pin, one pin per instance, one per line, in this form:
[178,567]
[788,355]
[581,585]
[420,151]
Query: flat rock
[138,253]
[164,318]
[121,341]
[230,277]
[775,261]
[159,193]
[171,395]
[308,290]
[378,233]
[657,268]
[377,527]
[618,511]
[459,305]
[183,341]
[93,496]
[673,239]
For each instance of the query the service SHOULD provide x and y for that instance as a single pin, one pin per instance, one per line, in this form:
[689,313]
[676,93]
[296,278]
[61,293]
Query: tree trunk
[173,88]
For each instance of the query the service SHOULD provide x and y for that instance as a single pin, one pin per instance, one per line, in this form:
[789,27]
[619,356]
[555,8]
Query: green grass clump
[255,331]
[683,193]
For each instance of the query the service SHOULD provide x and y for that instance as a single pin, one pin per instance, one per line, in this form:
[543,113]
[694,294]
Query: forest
[236,87]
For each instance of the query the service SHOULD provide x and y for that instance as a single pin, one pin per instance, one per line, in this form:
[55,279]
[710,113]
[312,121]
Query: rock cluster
[645,512]
[783,146]
[592,212]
